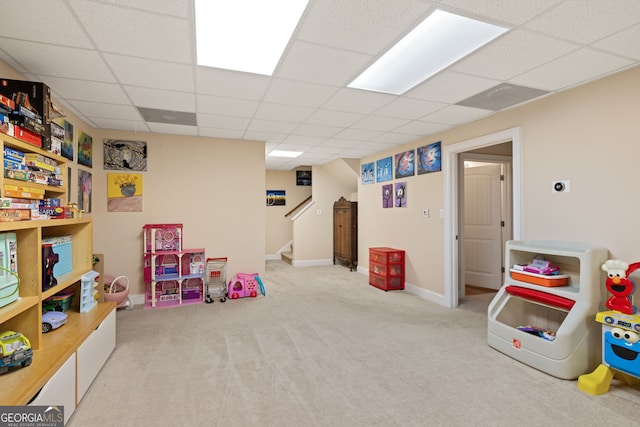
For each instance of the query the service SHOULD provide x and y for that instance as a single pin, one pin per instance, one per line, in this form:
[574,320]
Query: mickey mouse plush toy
[620,285]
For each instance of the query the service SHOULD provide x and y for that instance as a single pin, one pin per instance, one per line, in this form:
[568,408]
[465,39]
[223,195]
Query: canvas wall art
[429,158]
[387,196]
[384,169]
[85,149]
[124,192]
[276,198]
[67,142]
[401,195]
[366,173]
[85,190]
[405,164]
[125,155]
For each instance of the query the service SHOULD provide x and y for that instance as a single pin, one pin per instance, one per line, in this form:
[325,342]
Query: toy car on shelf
[52,320]
[15,350]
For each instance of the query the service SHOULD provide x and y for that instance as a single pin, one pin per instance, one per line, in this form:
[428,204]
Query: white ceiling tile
[577,67]
[230,84]
[298,93]
[590,20]
[367,26]
[226,106]
[162,99]
[166,7]
[456,114]
[58,61]
[316,130]
[136,33]
[379,123]
[128,125]
[513,54]
[223,122]
[418,127]
[55,23]
[512,11]
[378,146]
[316,64]
[358,101]
[323,149]
[304,140]
[625,43]
[333,118]
[358,134]
[270,111]
[342,143]
[450,87]
[152,74]
[271,126]
[173,129]
[81,90]
[394,138]
[107,111]
[220,133]
[265,136]
[406,108]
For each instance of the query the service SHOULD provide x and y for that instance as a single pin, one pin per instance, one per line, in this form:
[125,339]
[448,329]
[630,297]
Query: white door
[483,226]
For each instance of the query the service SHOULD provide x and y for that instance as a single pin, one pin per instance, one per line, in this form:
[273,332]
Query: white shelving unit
[569,311]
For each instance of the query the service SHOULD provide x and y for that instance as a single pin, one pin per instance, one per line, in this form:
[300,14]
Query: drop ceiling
[130,64]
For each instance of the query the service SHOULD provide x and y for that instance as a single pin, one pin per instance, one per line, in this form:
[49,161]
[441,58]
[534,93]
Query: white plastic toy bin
[574,345]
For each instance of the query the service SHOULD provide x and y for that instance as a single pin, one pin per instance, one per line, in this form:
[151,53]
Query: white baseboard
[415,290]
[312,262]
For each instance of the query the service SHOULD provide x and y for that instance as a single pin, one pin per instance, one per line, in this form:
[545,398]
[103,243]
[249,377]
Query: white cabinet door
[60,390]
[94,352]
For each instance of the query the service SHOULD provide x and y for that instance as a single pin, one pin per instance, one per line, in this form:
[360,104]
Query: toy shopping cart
[216,279]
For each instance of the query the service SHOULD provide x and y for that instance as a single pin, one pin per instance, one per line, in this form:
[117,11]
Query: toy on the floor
[215,276]
[245,285]
[620,333]
[116,289]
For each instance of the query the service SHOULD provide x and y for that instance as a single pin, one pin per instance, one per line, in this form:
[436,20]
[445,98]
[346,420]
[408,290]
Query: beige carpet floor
[323,348]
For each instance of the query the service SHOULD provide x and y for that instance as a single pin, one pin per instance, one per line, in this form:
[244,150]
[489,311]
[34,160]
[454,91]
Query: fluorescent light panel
[281,153]
[245,35]
[439,41]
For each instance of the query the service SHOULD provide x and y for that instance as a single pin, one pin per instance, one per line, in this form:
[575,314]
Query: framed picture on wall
[401,195]
[67,142]
[387,196]
[366,173]
[384,169]
[125,155]
[429,158]
[303,178]
[85,149]
[276,198]
[405,164]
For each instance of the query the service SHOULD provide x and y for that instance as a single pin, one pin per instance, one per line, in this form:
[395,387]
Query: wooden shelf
[51,350]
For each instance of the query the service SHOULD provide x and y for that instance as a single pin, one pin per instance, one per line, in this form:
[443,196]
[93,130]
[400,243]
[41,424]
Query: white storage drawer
[60,390]
[94,352]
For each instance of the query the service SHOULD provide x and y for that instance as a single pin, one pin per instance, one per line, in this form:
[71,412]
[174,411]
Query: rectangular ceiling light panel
[245,35]
[442,39]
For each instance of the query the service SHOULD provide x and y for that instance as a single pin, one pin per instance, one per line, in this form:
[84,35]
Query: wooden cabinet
[53,349]
[345,232]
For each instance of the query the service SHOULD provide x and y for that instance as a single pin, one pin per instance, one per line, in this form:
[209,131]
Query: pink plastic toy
[245,285]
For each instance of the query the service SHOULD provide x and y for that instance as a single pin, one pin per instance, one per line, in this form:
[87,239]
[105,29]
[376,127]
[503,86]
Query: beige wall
[588,135]
[278,228]
[215,188]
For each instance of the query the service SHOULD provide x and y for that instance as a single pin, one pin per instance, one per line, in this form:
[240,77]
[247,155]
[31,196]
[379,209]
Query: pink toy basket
[117,290]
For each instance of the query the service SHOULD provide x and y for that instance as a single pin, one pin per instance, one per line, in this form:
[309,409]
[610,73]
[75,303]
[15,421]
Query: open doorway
[453,161]
[485,224]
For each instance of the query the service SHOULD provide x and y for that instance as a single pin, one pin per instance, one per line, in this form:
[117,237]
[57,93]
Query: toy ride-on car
[52,320]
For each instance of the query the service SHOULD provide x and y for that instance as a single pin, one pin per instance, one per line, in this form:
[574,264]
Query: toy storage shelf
[567,311]
[386,268]
[51,350]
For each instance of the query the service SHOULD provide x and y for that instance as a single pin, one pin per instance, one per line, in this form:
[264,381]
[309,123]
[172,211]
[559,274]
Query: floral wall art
[124,192]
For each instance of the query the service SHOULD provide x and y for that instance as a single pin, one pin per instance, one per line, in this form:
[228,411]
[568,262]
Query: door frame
[451,221]
[506,203]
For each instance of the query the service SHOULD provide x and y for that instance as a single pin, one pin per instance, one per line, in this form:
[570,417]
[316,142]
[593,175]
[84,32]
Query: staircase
[287,257]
